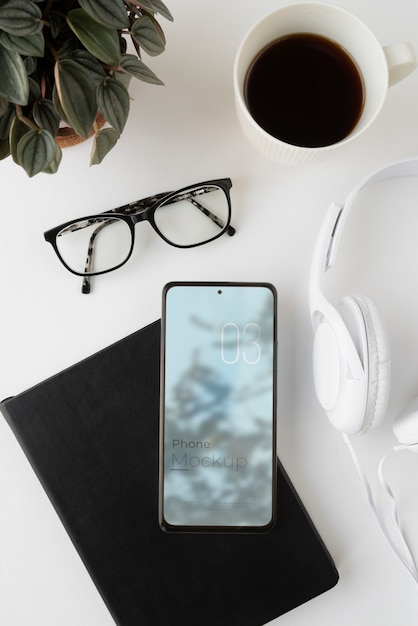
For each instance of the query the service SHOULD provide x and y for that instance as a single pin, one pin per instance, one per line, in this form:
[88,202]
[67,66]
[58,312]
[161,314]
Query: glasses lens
[94,245]
[194,216]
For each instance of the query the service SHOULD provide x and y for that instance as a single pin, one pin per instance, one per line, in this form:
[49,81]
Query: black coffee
[305,90]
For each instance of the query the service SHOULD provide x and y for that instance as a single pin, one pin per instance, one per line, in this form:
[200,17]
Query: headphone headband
[330,234]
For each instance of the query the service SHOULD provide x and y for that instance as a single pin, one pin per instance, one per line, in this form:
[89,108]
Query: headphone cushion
[376,358]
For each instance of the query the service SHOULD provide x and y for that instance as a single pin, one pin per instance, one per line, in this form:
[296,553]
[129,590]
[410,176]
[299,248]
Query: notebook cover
[91,435]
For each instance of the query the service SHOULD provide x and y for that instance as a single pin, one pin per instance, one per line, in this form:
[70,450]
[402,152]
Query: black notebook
[91,435]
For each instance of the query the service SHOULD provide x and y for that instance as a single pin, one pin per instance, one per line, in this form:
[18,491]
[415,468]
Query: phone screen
[217,430]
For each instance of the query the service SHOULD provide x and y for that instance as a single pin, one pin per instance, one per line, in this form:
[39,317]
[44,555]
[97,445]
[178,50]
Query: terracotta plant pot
[67,136]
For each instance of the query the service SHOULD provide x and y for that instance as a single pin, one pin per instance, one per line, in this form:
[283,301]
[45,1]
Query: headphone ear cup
[369,334]
[354,401]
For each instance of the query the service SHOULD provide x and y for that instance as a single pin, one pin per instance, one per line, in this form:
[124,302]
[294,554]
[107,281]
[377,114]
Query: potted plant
[65,68]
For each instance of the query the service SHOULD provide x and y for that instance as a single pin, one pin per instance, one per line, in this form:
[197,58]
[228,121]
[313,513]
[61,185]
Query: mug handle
[401,60]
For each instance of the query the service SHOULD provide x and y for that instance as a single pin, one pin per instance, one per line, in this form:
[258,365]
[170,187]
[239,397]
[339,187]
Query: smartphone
[218,407]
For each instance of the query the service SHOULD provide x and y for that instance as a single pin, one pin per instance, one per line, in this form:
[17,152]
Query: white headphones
[351,356]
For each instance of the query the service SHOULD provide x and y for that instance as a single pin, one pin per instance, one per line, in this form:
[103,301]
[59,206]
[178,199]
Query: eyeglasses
[186,218]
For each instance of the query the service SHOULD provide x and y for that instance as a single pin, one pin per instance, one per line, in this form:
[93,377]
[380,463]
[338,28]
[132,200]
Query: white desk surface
[183,133]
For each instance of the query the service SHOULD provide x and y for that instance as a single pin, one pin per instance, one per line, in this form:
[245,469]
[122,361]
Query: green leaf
[30,65]
[20,17]
[57,104]
[56,22]
[102,42]
[34,90]
[111,14]
[104,141]
[124,78]
[14,85]
[53,165]
[6,121]
[4,105]
[87,60]
[145,32]
[156,6]
[4,149]
[113,102]
[18,128]
[32,45]
[77,94]
[35,151]
[45,116]
[69,44]
[134,66]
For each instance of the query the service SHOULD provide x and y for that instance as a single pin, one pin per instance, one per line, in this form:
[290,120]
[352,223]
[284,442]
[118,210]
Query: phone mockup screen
[218,395]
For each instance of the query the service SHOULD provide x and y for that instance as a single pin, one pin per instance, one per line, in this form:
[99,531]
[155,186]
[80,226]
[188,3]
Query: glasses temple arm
[87,280]
[214,218]
[86,285]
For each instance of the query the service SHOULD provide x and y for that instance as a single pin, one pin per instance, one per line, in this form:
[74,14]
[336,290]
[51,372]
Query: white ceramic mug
[379,66]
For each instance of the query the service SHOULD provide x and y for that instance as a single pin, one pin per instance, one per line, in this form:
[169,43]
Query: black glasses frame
[140,211]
